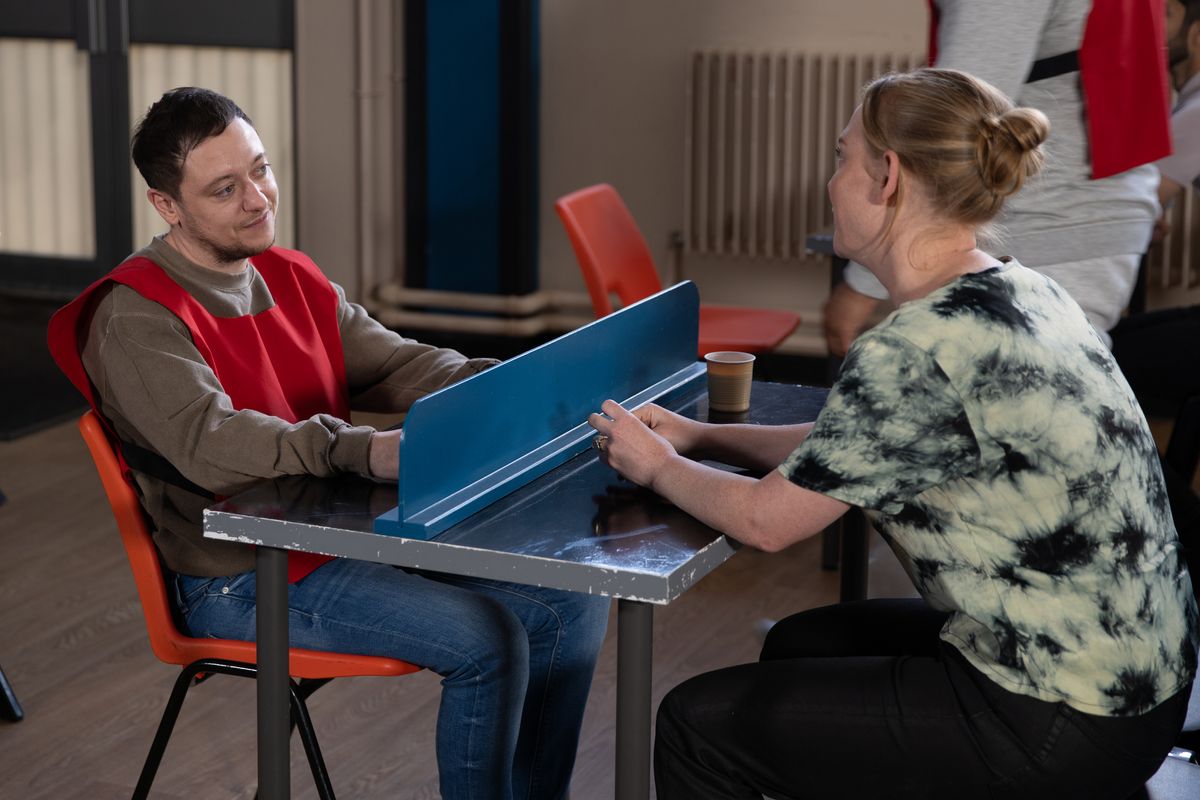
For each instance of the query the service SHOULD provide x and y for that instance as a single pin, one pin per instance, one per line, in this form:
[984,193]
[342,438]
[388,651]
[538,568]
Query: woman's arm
[769,513]
[757,447]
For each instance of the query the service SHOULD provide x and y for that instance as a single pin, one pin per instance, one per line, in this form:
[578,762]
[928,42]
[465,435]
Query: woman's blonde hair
[959,136]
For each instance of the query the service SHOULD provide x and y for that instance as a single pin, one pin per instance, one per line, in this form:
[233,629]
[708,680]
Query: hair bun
[1009,149]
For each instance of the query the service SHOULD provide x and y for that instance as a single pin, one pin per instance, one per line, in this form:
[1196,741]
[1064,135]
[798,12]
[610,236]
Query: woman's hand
[628,445]
[684,434]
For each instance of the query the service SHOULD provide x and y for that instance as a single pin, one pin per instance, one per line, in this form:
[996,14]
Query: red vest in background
[1123,71]
[286,361]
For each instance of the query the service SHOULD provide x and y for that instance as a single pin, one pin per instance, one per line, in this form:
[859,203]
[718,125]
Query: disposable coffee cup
[729,377]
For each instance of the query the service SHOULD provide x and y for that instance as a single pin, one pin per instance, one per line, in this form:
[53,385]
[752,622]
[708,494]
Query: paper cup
[729,377]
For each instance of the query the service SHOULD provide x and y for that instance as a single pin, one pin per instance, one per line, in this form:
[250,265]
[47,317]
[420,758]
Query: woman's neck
[925,260]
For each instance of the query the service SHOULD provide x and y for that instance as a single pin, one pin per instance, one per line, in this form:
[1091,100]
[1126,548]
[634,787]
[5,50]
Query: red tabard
[1123,70]
[286,361]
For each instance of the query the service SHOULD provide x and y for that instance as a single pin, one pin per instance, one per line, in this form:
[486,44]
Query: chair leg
[10,708]
[165,726]
[302,721]
[300,692]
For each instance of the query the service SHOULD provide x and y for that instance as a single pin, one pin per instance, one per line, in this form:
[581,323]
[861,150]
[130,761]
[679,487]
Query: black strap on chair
[151,463]
[10,708]
[1053,66]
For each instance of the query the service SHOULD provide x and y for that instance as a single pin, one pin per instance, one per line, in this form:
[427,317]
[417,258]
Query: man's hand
[384,454]
[846,315]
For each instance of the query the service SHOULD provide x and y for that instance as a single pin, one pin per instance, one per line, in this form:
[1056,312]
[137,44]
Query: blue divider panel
[472,443]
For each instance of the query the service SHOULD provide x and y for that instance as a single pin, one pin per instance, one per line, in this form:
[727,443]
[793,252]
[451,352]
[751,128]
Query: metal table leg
[274,711]
[831,546]
[635,628]
[854,555]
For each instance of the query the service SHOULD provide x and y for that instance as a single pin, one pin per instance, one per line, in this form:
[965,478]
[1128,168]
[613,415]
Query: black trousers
[862,700]
[1159,353]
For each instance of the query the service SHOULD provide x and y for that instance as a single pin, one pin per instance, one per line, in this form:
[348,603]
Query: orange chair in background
[202,657]
[615,259]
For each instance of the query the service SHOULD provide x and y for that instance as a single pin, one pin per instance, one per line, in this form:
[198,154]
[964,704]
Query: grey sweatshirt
[1061,216]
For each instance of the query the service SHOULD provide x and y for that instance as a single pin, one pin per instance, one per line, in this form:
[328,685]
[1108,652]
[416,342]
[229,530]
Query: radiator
[758,145]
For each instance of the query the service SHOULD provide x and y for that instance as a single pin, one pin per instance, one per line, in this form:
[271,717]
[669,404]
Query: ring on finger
[599,442]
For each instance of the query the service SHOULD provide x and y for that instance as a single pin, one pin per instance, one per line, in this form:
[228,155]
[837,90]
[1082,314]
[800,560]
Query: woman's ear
[887,179]
[891,176]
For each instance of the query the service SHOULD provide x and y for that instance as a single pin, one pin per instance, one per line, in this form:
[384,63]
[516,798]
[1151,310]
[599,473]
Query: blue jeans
[516,661]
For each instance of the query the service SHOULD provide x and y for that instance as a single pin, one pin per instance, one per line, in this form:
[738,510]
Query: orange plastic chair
[615,259]
[203,657]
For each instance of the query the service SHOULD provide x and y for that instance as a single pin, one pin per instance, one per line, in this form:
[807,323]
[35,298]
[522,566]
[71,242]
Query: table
[578,528]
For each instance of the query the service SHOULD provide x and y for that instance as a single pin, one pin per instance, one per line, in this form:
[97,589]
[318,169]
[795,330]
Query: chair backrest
[612,254]
[168,643]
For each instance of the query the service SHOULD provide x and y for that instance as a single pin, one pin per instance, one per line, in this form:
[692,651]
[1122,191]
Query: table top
[580,527]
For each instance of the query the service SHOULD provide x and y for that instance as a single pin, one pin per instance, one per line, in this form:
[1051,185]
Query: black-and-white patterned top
[998,449]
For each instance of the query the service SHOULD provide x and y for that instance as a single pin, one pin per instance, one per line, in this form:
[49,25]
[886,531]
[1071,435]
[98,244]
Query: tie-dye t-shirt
[999,451]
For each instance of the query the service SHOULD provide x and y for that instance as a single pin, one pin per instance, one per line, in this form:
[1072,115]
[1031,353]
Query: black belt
[1053,66]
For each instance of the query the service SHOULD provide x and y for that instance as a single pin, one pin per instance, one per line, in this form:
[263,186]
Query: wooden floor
[73,644]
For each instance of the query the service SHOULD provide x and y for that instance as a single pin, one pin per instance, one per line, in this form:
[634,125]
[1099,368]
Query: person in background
[1159,350]
[1085,231]
[987,431]
[217,360]
[1182,168]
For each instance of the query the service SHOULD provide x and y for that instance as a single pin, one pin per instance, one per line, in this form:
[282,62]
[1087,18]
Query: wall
[347,141]
[613,108]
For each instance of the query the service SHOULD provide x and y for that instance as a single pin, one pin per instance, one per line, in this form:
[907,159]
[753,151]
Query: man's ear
[887,179]
[165,205]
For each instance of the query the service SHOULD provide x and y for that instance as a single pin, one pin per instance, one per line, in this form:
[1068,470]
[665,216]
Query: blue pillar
[471,134]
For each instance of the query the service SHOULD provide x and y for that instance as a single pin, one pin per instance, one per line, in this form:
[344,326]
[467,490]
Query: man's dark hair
[173,127]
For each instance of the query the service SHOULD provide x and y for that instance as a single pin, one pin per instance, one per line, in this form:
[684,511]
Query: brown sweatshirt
[159,393]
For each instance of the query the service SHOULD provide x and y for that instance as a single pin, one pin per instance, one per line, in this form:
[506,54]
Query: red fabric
[1123,70]
[1123,65]
[286,361]
[935,15]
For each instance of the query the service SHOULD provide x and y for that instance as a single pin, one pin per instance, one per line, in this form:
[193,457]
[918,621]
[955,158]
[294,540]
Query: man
[218,360]
[1182,167]
[1159,350]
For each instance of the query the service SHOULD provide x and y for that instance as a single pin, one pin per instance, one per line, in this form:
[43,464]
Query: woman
[995,446]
